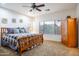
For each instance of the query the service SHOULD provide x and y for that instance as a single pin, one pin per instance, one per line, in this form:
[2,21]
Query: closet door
[64,32]
[72,35]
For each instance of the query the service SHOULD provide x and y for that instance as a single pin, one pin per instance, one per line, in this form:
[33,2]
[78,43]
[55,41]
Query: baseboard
[53,40]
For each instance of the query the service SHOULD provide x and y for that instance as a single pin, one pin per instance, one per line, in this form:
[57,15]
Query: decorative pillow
[16,30]
[22,30]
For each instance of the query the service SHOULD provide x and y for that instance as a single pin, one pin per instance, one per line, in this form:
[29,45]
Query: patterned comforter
[11,40]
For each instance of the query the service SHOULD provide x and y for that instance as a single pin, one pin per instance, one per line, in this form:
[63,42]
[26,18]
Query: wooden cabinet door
[72,35]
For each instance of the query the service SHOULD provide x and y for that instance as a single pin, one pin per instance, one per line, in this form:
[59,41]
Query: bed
[20,40]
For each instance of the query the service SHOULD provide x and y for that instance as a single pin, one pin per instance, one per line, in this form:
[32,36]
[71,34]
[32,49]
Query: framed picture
[21,20]
[4,21]
[13,20]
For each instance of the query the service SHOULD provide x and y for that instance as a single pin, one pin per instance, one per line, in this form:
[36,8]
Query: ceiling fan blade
[26,6]
[42,5]
[38,9]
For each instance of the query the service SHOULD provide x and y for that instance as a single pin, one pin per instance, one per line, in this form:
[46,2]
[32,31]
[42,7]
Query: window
[50,27]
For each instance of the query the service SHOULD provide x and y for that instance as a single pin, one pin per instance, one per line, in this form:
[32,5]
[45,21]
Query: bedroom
[34,20]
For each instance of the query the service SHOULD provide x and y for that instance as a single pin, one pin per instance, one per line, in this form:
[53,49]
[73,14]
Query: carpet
[48,48]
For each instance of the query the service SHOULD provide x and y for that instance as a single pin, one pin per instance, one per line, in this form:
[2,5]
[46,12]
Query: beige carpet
[48,48]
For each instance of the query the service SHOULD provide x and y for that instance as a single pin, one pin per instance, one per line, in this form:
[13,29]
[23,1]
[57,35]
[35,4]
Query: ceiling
[54,7]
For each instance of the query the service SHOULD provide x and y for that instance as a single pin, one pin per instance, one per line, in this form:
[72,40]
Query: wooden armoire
[69,32]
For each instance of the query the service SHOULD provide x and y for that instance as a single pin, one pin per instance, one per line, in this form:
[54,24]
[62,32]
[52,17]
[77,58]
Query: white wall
[8,14]
[64,13]
[77,11]
[5,13]
[77,14]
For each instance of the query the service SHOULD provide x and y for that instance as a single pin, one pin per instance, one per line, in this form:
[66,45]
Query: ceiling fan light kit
[34,6]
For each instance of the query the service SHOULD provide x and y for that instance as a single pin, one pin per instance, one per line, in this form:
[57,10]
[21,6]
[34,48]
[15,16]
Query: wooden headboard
[3,30]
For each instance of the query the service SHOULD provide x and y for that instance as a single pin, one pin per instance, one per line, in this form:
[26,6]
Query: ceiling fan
[34,6]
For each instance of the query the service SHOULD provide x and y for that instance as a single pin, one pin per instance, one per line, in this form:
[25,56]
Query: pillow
[22,30]
[10,30]
[16,30]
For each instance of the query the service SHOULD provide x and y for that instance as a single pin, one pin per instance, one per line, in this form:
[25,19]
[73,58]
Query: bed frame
[26,42]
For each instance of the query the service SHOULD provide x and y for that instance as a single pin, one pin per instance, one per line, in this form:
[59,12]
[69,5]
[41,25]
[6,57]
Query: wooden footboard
[29,42]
